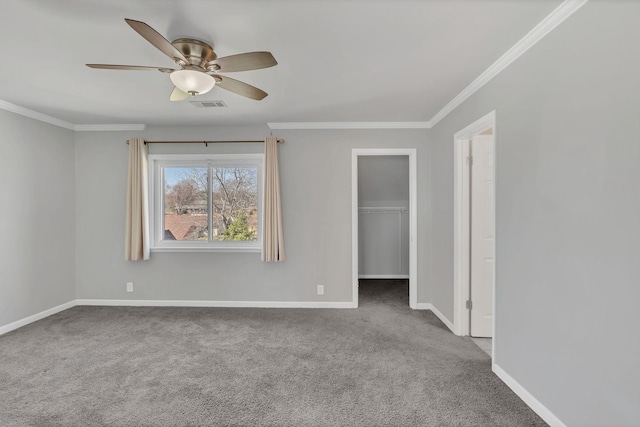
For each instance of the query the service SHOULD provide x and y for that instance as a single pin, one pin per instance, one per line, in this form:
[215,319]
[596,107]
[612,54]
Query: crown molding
[350,125]
[35,115]
[555,18]
[112,128]
[4,105]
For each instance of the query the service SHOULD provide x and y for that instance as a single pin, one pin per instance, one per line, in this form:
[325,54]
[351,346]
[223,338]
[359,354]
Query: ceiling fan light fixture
[199,65]
[192,82]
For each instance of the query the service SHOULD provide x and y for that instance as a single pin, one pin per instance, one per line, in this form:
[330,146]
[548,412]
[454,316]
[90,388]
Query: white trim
[171,303]
[35,317]
[555,18]
[413,228]
[4,105]
[461,221]
[203,248]
[350,125]
[110,128]
[439,315]
[460,236]
[383,276]
[413,216]
[354,227]
[527,397]
[23,111]
[197,303]
[483,123]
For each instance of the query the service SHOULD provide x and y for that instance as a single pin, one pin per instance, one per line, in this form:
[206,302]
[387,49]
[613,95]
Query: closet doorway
[384,217]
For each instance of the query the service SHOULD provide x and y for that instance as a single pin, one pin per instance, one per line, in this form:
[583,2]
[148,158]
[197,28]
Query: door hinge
[470,160]
[469,305]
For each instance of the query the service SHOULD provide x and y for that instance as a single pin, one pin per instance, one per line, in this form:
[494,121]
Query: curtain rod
[206,143]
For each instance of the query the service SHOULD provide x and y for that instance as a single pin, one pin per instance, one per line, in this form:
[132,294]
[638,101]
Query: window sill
[207,249]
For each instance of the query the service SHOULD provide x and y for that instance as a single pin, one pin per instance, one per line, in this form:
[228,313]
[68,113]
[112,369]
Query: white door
[482,236]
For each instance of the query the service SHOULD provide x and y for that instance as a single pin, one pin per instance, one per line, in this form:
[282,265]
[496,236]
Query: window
[206,202]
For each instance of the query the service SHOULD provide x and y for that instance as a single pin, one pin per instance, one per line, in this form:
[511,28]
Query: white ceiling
[339,61]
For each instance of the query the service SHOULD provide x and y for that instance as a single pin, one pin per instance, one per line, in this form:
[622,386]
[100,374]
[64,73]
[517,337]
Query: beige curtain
[137,229]
[272,237]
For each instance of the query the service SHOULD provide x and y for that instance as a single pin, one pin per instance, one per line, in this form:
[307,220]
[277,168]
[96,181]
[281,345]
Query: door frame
[461,237]
[413,217]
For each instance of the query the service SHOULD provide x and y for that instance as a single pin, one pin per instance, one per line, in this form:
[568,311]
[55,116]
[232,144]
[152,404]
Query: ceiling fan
[198,65]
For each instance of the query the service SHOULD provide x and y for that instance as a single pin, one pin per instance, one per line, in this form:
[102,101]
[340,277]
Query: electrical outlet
[129,286]
[320,289]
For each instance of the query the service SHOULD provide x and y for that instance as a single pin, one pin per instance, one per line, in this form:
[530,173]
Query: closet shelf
[383,210]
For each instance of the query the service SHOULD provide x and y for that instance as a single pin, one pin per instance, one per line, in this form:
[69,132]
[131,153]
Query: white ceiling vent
[208,104]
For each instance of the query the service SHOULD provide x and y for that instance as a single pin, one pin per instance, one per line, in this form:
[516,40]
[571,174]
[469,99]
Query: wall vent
[208,104]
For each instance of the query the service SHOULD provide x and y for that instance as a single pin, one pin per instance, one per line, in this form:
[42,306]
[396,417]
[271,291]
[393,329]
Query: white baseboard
[383,276]
[196,303]
[527,397]
[34,318]
[174,303]
[429,306]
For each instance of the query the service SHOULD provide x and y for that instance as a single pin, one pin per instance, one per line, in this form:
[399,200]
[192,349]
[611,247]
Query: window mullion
[210,200]
[160,204]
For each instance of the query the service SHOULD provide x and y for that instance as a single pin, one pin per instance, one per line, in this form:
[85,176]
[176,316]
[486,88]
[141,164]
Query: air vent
[208,104]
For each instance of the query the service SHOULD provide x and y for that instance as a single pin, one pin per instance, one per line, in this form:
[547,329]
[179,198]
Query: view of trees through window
[232,203]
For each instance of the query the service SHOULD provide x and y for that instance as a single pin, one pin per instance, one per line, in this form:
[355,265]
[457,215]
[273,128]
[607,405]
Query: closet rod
[206,143]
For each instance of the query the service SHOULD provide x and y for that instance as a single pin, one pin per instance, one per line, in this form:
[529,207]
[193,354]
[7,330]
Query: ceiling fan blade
[178,95]
[129,67]
[236,86]
[244,62]
[156,39]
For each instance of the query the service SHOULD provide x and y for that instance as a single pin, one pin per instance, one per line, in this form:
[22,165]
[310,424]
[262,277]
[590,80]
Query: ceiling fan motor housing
[197,52]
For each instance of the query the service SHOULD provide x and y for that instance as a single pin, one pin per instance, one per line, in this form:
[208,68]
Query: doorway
[384,226]
[474,233]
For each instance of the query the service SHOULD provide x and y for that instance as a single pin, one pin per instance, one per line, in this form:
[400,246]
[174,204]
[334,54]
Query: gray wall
[37,217]
[383,181]
[568,209]
[315,169]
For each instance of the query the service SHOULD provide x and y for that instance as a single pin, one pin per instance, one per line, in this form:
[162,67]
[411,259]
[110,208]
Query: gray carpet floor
[379,365]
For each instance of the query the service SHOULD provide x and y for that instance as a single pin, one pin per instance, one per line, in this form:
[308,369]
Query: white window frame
[156,200]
